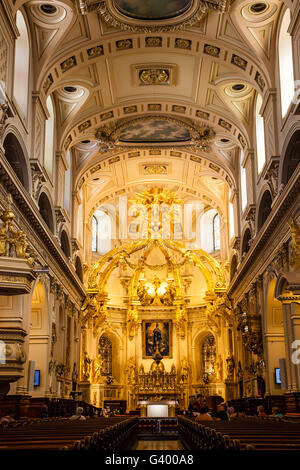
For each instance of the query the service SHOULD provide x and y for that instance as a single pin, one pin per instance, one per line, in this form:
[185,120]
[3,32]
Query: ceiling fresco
[152,9]
[154,130]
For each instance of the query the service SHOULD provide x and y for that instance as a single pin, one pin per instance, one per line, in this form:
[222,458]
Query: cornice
[279,210]
[30,211]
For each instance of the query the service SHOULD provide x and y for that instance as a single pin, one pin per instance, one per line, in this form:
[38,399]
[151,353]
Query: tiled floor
[159,445]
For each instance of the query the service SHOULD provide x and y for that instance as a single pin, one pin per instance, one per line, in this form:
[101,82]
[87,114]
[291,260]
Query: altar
[157,409]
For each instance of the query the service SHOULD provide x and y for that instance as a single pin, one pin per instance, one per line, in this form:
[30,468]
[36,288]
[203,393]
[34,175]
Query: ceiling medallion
[152,15]
[154,131]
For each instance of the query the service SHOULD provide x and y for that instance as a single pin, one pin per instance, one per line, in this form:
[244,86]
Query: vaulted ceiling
[115,71]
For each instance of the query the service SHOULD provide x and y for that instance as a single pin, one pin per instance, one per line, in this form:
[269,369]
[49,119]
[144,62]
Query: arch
[197,363]
[16,158]
[105,351]
[208,354]
[21,65]
[286,65]
[265,209]
[49,137]
[78,268]
[46,212]
[246,242]
[39,335]
[233,267]
[65,244]
[291,158]
[102,238]
[116,352]
[210,231]
[260,136]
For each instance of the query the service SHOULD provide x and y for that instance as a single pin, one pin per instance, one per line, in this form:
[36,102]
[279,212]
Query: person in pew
[261,411]
[8,418]
[276,412]
[44,412]
[203,415]
[78,415]
[221,412]
[239,412]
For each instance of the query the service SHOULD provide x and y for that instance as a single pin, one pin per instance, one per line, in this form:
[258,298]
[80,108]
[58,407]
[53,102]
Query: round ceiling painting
[152,9]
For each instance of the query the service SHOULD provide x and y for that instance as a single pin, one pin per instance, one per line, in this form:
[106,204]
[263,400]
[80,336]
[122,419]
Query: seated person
[261,411]
[239,412]
[78,415]
[276,412]
[221,412]
[8,418]
[203,415]
[44,412]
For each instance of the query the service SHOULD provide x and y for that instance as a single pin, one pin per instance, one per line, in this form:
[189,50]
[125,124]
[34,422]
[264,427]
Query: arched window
[260,136]
[208,354]
[101,232]
[67,183]
[64,243]
[49,138]
[233,267]
[243,184]
[291,158]
[286,64]
[21,66]
[246,242]
[216,232]
[94,234]
[105,351]
[210,231]
[265,208]
[16,158]
[78,268]
[231,221]
[46,210]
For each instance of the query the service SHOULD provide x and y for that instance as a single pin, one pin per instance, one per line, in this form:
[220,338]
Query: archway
[291,158]
[46,211]
[65,244]
[39,339]
[274,334]
[16,158]
[246,242]
[265,209]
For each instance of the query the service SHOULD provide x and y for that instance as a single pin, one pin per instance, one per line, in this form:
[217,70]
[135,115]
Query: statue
[74,377]
[219,368]
[86,367]
[130,370]
[97,368]
[230,366]
[184,371]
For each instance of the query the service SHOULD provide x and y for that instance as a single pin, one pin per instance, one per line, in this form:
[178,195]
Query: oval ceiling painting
[152,9]
[154,131]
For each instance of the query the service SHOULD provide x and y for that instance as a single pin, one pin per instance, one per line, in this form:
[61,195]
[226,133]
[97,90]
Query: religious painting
[154,131]
[152,9]
[157,334]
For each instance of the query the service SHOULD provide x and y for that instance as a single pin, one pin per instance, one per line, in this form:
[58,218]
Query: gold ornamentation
[130,109]
[153,41]
[13,243]
[67,142]
[225,124]
[183,43]
[4,111]
[124,44]
[130,371]
[97,369]
[295,232]
[85,125]
[95,51]
[260,81]
[155,169]
[239,61]
[202,114]
[86,367]
[105,116]
[68,64]
[154,107]
[178,109]
[154,76]
[193,15]
[211,50]
[47,83]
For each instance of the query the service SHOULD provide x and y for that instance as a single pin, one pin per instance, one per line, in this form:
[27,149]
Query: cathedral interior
[149,203]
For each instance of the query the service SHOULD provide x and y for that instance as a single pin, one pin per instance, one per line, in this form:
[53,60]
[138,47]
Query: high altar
[157,321]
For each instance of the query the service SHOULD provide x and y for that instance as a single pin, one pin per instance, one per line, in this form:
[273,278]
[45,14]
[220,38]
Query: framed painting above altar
[157,332]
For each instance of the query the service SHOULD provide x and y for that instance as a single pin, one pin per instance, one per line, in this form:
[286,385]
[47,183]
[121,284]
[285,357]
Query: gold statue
[219,368]
[130,370]
[184,369]
[86,367]
[97,368]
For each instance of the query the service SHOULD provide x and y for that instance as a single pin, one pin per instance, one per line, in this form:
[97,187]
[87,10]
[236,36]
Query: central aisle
[159,445]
